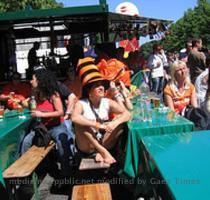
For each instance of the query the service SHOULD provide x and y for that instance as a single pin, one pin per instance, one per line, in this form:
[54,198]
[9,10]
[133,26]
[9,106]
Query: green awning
[45,14]
[83,19]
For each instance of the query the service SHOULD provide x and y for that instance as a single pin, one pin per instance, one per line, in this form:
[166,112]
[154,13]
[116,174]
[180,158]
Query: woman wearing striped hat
[95,133]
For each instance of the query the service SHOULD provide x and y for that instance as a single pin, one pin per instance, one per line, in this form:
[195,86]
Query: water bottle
[144,101]
[148,110]
[33,106]
[33,103]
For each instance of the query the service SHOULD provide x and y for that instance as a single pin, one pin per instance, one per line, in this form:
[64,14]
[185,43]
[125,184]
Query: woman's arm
[122,97]
[169,101]
[193,99]
[126,95]
[4,97]
[122,116]
[70,105]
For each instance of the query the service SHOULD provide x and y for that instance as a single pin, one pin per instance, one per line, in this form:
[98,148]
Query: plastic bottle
[147,110]
[33,103]
[144,89]
[145,102]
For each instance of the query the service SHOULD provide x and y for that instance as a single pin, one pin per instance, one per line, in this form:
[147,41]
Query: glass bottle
[33,103]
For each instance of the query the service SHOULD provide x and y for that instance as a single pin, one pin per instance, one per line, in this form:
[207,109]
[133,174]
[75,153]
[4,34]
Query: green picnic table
[12,131]
[160,125]
[183,161]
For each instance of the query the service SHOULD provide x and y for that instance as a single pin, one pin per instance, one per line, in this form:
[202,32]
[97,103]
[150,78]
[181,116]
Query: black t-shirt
[199,116]
[64,93]
[32,58]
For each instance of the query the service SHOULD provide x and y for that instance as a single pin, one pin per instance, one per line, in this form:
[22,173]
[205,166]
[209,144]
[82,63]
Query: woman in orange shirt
[180,92]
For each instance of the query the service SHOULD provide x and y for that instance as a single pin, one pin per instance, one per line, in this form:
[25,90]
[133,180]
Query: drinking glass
[20,112]
[170,115]
[156,102]
[147,110]
[1,112]
[136,114]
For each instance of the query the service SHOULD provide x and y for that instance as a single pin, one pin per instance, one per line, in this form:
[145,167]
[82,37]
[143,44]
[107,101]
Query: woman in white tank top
[94,131]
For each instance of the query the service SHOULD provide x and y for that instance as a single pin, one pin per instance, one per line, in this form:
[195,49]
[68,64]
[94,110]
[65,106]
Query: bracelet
[68,113]
[118,95]
[116,92]
[102,126]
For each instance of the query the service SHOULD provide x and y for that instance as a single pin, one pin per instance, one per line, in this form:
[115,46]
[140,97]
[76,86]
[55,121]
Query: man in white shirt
[156,62]
[201,86]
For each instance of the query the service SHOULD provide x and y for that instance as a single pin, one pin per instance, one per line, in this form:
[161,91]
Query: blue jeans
[63,137]
[157,85]
[27,142]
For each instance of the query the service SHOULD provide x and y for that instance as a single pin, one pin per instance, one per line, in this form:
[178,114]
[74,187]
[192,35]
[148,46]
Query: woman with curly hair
[50,111]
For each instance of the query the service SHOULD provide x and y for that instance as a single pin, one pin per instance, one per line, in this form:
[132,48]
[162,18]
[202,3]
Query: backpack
[199,116]
[42,137]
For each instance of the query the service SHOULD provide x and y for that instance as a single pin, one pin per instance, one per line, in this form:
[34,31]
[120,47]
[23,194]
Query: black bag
[200,117]
[42,137]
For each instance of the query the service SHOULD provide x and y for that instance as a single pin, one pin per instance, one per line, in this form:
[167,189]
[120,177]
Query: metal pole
[52,37]
[101,2]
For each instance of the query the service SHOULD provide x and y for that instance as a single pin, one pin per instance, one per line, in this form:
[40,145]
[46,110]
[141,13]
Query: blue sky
[161,9]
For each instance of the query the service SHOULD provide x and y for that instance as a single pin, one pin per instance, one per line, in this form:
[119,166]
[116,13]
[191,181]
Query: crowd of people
[92,106]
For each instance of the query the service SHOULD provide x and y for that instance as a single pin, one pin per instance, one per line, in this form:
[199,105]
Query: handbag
[42,137]
[199,116]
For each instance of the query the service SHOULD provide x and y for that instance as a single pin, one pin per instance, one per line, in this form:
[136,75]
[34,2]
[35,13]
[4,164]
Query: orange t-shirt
[180,100]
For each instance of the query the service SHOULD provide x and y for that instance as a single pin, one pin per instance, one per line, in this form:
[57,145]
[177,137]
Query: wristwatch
[98,136]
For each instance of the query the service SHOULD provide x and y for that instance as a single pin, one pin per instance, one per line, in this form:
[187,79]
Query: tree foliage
[17,5]
[194,24]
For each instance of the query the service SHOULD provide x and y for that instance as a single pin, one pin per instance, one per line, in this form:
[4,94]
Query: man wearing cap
[94,132]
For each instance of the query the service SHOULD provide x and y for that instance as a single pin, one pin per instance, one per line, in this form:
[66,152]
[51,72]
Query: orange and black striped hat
[89,73]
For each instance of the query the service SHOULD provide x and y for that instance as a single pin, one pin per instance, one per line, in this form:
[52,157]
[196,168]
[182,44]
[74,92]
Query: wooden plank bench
[90,164]
[26,165]
[89,168]
[92,192]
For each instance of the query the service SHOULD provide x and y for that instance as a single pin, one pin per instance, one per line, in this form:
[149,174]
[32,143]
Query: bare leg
[99,158]
[110,139]
[87,143]
[107,158]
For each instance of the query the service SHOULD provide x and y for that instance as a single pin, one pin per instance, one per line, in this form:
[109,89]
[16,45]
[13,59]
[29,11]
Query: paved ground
[45,193]
[51,190]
